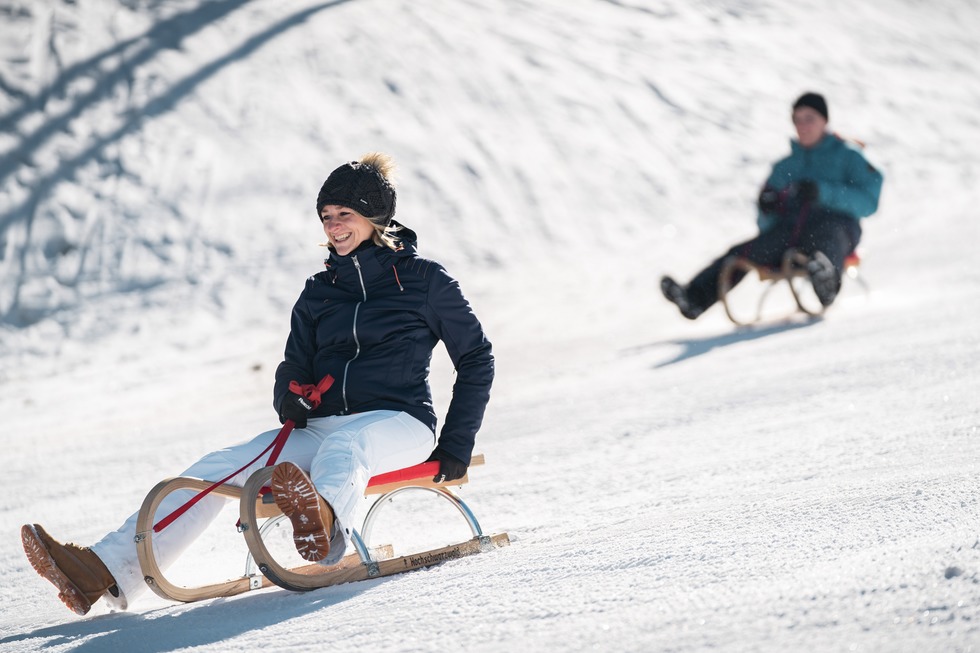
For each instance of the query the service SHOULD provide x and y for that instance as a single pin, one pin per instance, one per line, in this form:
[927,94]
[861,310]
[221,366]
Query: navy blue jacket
[371,320]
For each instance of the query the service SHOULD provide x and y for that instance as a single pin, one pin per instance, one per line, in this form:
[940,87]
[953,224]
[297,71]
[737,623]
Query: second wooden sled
[792,271]
[261,568]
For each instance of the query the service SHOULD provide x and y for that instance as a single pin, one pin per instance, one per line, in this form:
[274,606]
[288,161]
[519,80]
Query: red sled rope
[311,392]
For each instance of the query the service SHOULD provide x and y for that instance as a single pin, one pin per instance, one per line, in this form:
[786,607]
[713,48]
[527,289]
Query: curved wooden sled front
[354,567]
[792,270]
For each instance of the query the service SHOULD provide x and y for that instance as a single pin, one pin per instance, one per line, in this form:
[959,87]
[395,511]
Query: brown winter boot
[80,576]
[311,516]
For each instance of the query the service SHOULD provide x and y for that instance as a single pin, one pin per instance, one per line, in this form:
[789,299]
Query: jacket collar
[366,254]
[373,259]
[828,141]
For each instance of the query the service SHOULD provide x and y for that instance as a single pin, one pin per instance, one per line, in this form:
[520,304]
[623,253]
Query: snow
[668,485]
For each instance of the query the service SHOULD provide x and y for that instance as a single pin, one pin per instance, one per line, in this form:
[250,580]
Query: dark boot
[311,516]
[824,277]
[676,293]
[80,576]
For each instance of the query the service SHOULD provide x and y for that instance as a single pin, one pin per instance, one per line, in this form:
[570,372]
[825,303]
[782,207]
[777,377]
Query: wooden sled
[792,271]
[261,568]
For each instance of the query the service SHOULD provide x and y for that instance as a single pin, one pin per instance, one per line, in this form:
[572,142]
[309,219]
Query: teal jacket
[847,183]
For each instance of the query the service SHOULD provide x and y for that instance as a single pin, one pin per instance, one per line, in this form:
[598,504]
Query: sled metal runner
[261,568]
[792,271]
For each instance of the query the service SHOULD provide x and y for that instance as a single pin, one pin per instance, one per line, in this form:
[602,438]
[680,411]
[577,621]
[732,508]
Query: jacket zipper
[357,343]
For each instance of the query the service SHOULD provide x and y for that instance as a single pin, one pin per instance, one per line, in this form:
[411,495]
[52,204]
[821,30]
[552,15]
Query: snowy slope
[667,485]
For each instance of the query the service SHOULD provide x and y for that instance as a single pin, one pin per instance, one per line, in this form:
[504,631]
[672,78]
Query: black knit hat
[361,187]
[815,101]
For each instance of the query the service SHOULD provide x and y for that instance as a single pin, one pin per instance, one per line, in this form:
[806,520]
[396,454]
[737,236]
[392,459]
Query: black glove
[769,200]
[807,191]
[295,407]
[451,468]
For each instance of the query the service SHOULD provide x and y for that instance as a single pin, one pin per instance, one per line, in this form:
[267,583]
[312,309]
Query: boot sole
[677,296]
[40,558]
[824,280]
[299,501]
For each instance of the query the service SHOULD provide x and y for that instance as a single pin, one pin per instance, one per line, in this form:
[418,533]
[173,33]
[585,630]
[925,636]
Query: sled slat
[290,579]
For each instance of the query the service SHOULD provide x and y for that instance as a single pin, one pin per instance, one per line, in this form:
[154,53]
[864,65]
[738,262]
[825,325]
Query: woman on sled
[369,321]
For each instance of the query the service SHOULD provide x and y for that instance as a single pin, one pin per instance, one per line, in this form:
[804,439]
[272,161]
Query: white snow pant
[341,453]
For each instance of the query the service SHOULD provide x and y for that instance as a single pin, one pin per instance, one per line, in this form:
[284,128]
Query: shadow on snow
[167,35]
[190,625]
[694,347]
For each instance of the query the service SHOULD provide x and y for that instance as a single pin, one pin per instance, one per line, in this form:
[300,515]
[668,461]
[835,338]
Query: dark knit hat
[815,101]
[362,187]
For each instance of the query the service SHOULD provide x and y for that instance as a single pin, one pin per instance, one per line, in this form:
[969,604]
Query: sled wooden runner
[262,570]
[792,271]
